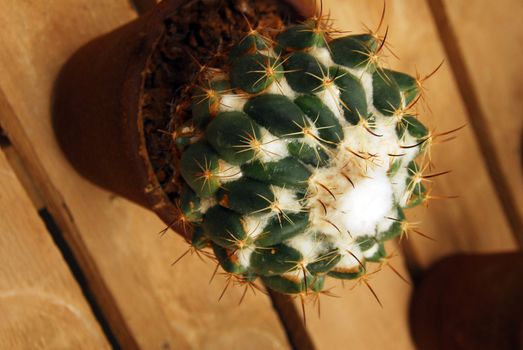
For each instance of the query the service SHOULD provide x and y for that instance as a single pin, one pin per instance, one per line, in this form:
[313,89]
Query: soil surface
[201,34]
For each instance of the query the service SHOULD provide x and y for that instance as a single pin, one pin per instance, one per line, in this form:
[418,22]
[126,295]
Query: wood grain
[148,304]
[354,319]
[41,304]
[485,57]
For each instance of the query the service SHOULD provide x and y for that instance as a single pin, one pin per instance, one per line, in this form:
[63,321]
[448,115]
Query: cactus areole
[297,155]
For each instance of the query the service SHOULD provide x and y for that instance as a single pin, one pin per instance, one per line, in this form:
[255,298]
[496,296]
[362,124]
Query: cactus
[300,156]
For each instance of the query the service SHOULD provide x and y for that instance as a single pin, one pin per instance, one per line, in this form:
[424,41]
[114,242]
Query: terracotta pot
[97,119]
[470,302]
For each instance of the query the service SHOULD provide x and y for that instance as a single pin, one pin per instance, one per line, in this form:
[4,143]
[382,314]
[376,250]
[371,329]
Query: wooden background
[82,268]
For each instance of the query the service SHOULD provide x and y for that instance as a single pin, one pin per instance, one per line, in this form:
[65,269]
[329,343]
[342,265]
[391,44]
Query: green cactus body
[305,158]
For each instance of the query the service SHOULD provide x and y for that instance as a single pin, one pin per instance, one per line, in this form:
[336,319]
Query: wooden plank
[354,319]
[483,50]
[148,304]
[23,175]
[40,302]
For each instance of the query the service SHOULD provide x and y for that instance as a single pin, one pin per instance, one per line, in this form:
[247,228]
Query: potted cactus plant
[279,143]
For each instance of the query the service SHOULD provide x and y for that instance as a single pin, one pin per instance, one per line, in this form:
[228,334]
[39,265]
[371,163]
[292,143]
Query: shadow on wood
[470,302]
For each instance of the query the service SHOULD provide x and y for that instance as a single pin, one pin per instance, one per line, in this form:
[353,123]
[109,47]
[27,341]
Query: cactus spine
[300,156]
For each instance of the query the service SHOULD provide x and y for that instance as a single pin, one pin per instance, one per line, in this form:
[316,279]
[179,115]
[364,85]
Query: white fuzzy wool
[232,102]
[367,204]
[244,255]
[272,148]
[285,200]
[330,96]
[282,88]
[371,251]
[206,203]
[399,186]
[228,172]
[353,196]
[323,56]
[384,225]
[351,255]
[307,245]
[344,210]
[253,225]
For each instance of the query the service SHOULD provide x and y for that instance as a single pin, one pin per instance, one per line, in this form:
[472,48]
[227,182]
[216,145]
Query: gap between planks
[37,182]
[40,295]
[31,189]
